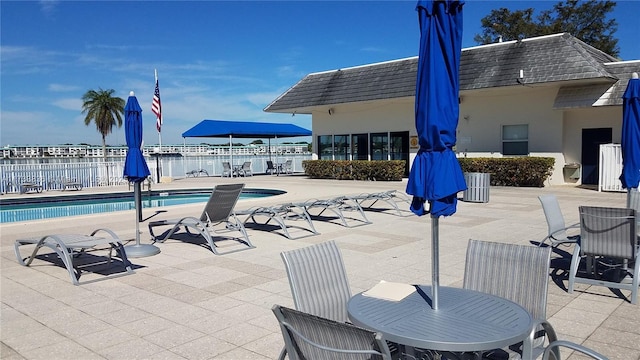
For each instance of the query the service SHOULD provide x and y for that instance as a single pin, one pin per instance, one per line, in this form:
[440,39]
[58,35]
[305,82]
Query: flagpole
[159,131]
[157,102]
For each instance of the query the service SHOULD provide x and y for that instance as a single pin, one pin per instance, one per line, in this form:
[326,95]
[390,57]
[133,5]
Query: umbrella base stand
[141,250]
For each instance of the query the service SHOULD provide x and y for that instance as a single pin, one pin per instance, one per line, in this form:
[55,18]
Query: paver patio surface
[187,303]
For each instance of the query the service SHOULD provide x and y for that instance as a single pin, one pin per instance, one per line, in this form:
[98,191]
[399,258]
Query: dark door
[591,141]
[360,146]
[400,148]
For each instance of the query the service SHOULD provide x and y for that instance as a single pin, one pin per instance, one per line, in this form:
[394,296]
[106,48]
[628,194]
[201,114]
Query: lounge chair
[393,198]
[270,168]
[337,205]
[71,184]
[608,236]
[226,169]
[219,211]
[196,173]
[70,247]
[245,170]
[308,336]
[25,187]
[557,234]
[282,215]
[287,167]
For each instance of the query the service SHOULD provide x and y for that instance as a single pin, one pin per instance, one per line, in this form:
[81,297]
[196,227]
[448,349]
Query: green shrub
[380,170]
[524,171]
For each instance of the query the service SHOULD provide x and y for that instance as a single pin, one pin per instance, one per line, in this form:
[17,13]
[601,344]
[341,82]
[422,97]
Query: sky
[223,60]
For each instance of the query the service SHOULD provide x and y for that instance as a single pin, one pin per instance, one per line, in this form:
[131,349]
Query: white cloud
[69,104]
[48,6]
[63,88]
[373,49]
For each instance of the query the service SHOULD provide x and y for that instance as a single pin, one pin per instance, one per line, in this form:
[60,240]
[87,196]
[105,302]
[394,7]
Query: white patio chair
[557,234]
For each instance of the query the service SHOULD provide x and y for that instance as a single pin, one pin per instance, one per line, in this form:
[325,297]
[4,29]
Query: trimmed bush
[380,170]
[521,172]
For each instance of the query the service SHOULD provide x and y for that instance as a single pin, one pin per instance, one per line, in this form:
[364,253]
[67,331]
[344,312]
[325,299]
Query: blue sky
[222,60]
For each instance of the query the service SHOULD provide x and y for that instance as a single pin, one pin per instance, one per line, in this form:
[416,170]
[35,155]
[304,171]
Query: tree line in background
[586,20]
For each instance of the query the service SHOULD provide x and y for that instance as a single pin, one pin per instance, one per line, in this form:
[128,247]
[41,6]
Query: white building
[551,96]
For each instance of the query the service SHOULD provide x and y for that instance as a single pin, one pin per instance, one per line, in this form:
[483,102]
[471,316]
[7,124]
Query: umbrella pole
[435,278]
[137,199]
[139,250]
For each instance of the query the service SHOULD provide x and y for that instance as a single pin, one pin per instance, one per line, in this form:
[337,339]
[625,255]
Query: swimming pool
[46,207]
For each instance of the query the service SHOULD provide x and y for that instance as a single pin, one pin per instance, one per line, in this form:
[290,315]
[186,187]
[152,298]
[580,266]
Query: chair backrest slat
[519,273]
[308,336]
[608,231]
[318,280]
[221,203]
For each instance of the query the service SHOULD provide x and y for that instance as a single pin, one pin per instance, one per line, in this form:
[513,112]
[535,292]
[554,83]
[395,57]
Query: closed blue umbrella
[136,170]
[436,176]
[135,167]
[630,140]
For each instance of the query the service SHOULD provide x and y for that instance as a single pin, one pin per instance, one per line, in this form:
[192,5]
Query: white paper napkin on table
[392,291]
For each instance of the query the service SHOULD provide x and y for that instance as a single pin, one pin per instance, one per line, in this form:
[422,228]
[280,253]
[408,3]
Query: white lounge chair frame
[70,246]
[282,215]
[219,211]
[393,198]
[337,205]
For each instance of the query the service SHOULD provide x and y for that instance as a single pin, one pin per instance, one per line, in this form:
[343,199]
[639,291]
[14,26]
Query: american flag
[156,107]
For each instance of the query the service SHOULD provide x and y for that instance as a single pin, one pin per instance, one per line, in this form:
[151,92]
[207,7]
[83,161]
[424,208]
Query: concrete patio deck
[187,303]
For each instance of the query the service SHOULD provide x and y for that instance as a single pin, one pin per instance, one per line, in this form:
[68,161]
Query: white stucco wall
[552,133]
[365,117]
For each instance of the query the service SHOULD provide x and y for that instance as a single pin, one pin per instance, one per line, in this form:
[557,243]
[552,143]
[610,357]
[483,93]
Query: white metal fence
[93,173]
[610,168]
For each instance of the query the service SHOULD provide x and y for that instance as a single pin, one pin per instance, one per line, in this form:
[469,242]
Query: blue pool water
[13,210]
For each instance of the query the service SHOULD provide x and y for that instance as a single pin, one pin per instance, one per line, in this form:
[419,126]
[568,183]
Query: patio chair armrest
[554,346]
[528,343]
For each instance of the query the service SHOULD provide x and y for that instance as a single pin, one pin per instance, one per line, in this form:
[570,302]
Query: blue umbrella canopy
[630,141]
[135,167]
[436,175]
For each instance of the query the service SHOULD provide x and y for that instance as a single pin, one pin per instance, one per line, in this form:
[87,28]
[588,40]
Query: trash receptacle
[571,172]
[478,185]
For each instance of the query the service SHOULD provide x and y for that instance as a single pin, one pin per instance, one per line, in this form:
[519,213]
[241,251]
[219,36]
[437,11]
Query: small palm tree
[103,109]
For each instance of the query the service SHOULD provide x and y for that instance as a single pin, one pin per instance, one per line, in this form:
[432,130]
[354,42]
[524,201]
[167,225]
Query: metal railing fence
[94,173]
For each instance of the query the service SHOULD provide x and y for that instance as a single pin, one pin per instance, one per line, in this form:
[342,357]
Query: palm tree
[104,110]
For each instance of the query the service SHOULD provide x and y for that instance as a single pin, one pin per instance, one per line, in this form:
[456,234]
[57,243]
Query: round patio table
[466,320]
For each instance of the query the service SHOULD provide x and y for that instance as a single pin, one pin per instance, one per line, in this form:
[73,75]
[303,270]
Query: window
[341,147]
[380,146]
[515,140]
[325,147]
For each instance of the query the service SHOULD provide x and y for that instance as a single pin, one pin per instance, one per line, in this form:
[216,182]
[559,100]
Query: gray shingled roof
[545,59]
[579,96]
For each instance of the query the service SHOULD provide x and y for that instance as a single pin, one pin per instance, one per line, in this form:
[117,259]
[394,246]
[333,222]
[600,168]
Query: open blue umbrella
[436,176]
[630,141]
[136,169]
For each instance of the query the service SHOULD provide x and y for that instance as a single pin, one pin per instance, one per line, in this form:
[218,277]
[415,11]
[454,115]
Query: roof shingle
[544,59]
